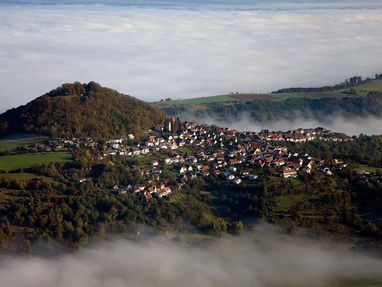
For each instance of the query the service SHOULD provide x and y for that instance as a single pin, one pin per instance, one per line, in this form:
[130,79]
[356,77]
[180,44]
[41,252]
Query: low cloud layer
[348,125]
[262,258]
[153,53]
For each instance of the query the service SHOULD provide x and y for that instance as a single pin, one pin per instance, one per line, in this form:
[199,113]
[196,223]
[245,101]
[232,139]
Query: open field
[11,162]
[362,90]
[199,101]
[12,142]
[232,99]
[370,169]
[365,88]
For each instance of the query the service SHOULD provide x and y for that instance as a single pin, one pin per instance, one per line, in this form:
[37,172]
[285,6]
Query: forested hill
[81,110]
[355,97]
[289,109]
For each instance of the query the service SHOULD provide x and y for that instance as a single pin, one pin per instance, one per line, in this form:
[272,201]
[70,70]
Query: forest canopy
[81,110]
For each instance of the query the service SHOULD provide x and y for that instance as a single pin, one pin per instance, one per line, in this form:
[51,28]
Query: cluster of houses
[59,144]
[147,192]
[201,150]
[304,135]
[232,156]
[369,177]
[202,136]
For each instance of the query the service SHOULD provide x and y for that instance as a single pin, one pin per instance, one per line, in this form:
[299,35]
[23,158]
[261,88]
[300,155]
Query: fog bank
[348,125]
[261,258]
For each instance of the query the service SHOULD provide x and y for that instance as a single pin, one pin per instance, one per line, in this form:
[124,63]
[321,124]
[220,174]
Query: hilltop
[81,110]
[355,97]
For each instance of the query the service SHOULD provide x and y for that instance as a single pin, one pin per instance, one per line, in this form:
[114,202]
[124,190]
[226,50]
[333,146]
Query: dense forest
[72,213]
[266,110]
[81,110]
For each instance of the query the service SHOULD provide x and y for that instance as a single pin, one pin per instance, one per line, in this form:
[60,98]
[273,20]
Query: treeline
[348,83]
[81,110]
[289,109]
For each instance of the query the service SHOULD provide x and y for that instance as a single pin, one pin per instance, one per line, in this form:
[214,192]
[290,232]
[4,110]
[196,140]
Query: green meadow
[12,142]
[199,101]
[362,90]
[371,86]
[11,162]
[370,169]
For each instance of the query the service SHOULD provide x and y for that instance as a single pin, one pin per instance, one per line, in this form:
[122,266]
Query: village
[195,150]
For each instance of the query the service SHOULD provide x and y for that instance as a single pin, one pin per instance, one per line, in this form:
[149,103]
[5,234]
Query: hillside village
[196,150]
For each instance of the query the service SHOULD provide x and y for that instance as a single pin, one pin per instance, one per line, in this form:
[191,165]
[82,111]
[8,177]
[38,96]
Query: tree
[237,227]
[219,225]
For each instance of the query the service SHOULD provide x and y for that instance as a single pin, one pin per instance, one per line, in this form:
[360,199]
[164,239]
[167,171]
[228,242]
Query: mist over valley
[264,257]
[210,143]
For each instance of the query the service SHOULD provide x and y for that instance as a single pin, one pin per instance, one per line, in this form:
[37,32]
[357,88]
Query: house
[231,177]
[151,189]
[145,150]
[139,188]
[147,196]
[164,191]
[327,171]
[289,172]
[216,172]
[155,163]
[252,177]
[206,170]
[232,169]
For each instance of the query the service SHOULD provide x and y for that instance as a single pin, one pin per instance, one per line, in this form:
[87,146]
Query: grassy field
[362,90]
[12,142]
[199,101]
[365,88]
[11,162]
[370,169]
[144,161]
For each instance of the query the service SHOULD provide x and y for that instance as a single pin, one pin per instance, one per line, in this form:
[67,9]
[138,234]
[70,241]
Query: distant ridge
[353,98]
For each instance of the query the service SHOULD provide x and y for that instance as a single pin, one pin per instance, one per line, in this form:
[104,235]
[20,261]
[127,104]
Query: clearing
[11,162]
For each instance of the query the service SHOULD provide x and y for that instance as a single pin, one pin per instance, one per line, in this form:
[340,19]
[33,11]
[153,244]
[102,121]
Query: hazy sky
[153,49]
